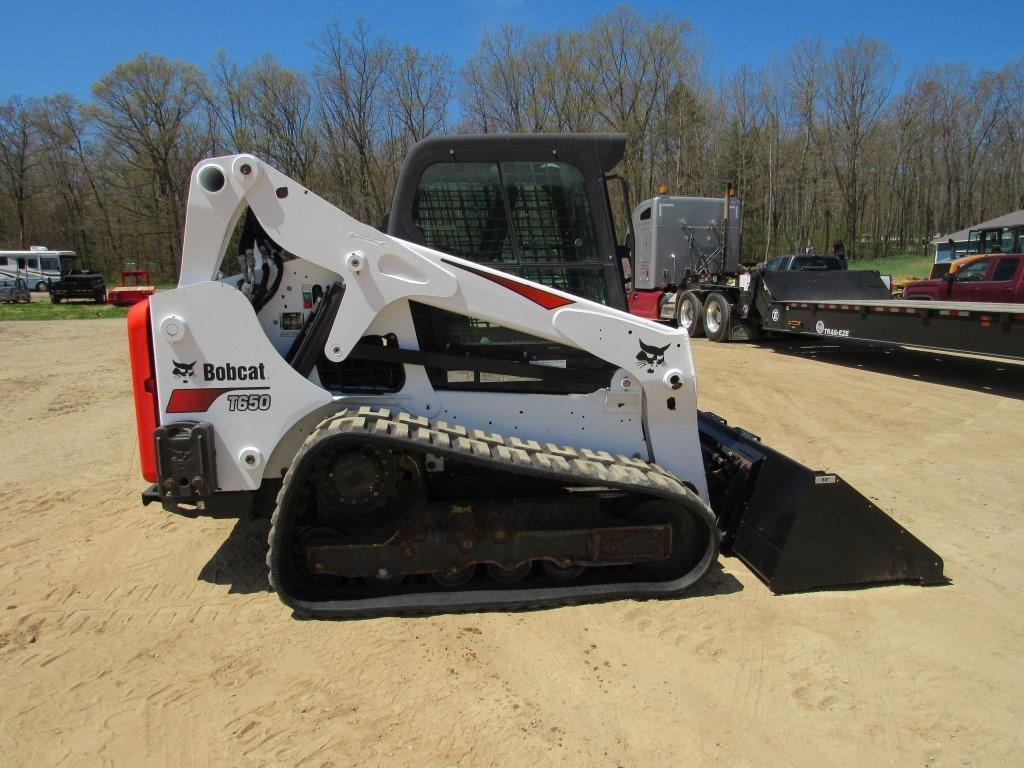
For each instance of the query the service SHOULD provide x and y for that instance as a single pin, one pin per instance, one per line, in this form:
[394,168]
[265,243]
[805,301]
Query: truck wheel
[55,299]
[101,297]
[717,312]
[691,314]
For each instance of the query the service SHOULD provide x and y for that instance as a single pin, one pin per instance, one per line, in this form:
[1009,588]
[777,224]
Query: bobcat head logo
[184,371]
[650,356]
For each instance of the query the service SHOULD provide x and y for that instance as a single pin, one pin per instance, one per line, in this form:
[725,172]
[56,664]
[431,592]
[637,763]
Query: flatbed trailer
[787,303]
[982,329]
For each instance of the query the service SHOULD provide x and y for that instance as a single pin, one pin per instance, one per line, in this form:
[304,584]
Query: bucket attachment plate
[799,529]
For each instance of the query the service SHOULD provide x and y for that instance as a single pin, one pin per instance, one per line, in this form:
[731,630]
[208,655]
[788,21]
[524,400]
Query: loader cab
[996,240]
[533,205]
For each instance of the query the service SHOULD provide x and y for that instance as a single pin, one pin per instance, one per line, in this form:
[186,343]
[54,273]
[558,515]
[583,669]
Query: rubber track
[570,465]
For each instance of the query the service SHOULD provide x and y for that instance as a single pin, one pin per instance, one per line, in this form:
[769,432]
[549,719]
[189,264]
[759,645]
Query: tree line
[823,144]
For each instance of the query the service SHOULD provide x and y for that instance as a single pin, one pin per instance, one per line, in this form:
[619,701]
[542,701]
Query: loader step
[385,513]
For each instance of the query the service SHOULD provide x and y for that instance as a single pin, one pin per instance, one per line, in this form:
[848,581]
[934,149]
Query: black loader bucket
[800,529]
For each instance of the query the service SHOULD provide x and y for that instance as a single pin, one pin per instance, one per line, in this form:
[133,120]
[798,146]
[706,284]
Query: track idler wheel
[563,574]
[503,576]
[456,577]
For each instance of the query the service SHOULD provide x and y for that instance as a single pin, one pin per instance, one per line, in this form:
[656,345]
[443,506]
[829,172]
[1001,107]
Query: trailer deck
[977,328]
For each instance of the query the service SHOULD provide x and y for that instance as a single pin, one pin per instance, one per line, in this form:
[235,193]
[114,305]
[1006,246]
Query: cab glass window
[974,242]
[992,241]
[550,212]
[973,273]
[530,219]
[507,214]
[1006,269]
[460,209]
[815,262]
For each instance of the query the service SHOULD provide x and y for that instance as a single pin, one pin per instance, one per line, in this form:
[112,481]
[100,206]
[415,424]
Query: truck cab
[991,277]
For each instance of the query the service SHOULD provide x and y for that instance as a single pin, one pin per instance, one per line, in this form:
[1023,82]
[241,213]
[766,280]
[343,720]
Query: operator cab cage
[533,205]
[996,240]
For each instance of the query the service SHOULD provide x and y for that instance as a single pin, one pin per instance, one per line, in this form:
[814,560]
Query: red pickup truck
[993,277]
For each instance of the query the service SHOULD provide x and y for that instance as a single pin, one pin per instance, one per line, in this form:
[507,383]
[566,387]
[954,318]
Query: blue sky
[66,46]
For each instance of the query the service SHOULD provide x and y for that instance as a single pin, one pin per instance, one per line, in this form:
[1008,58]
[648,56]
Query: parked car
[14,289]
[993,277]
[803,261]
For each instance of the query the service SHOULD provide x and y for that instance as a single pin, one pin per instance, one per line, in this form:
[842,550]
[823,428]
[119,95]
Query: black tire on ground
[101,297]
[717,312]
[690,314]
[41,286]
[55,299]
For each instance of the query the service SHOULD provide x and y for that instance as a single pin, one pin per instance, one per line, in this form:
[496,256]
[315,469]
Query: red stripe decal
[534,294]
[195,400]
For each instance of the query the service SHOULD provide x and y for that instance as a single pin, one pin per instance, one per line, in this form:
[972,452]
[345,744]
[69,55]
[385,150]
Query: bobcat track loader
[413,472]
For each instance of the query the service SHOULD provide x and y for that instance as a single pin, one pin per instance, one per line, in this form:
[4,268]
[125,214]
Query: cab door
[971,281]
[1007,280]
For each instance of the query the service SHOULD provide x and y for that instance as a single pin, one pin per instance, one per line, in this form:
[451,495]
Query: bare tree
[145,111]
[419,92]
[269,110]
[494,82]
[858,82]
[351,78]
[18,158]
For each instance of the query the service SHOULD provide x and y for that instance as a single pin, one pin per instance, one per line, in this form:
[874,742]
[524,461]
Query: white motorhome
[38,266]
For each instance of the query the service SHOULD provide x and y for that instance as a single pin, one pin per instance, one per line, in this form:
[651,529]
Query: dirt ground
[131,636]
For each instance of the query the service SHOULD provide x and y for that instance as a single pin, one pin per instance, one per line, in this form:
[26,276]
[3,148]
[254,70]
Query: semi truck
[688,272]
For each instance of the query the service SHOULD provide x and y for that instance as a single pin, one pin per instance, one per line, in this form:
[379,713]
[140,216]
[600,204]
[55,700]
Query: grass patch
[47,310]
[904,265]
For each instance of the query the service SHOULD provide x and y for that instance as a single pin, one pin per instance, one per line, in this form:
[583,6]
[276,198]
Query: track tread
[578,466]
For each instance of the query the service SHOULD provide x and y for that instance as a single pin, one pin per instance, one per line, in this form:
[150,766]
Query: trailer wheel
[41,286]
[717,312]
[690,314]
